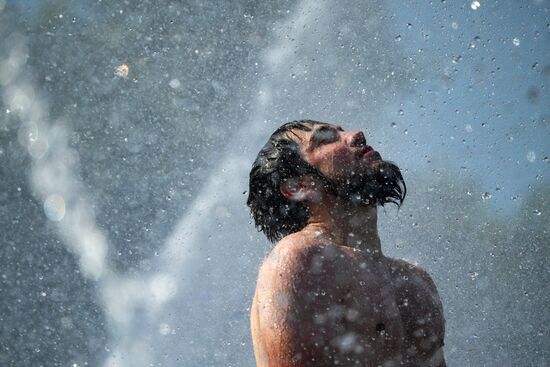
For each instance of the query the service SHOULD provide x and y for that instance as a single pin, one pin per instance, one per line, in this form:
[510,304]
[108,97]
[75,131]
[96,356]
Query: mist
[127,132]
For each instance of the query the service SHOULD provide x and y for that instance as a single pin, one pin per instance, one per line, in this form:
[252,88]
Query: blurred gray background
[127,130]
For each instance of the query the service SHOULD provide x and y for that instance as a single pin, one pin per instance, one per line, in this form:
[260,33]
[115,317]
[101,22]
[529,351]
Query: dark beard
[377,185]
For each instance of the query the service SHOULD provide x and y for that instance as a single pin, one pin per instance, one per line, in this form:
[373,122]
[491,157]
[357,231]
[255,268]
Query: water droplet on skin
[515,41]
[475,5]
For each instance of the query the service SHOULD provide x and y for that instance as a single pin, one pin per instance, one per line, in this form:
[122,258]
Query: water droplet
[122,70]
[401,112]
[398,38]
[515,41]
[531,156]
[164,329]
[536,212]
[486,196]
[54,207]
[454,25]
[174,83]
[475,5]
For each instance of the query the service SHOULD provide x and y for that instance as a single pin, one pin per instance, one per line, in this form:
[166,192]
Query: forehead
[303,136]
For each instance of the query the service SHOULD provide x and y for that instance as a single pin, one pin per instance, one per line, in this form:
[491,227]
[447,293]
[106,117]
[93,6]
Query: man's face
[336,153]
[354,169]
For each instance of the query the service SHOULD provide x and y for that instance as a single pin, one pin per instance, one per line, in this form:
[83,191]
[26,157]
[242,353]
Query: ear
[298,189]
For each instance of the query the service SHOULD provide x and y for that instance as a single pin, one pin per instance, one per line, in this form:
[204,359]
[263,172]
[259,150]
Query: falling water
[355,66]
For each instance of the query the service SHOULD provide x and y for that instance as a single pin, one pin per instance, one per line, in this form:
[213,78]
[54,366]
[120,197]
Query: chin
[378,183]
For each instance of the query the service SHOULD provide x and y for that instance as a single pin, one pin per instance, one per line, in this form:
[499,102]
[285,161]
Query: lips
[372,155]
[359,153]
[366,153]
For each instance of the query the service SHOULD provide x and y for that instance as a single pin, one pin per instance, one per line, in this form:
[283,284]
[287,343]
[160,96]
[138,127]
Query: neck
[346,224]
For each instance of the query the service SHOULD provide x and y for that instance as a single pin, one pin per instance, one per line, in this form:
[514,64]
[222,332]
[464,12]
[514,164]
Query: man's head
[303,158]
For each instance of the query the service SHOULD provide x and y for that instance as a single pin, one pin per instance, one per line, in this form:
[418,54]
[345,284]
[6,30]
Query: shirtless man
[326,295]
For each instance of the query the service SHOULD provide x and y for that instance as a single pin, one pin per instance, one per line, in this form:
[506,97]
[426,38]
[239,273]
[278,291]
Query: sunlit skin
[326,295]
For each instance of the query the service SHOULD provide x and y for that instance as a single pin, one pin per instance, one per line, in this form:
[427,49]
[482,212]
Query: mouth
[372,156]
[368,154]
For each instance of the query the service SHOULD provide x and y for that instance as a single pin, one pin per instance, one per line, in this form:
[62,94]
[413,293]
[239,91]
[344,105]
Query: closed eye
[324,135]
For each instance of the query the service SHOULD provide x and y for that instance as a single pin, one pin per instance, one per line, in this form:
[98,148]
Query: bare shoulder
[301,255]
[416,286]
[304,273]
[405,272]
[298,281]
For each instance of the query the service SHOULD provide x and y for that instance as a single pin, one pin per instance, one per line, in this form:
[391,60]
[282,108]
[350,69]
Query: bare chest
[393,310]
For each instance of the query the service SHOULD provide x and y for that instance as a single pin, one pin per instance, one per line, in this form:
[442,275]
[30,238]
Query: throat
[348,225]
[354,230]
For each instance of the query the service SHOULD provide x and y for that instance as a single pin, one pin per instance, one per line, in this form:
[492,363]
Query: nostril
[358,140]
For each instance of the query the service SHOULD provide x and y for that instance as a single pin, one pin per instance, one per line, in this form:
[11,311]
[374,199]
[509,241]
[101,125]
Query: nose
[358,139]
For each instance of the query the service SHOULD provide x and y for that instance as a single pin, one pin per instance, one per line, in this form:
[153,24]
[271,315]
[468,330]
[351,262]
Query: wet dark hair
[278,161]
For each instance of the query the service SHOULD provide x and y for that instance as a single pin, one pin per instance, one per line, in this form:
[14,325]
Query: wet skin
[326,295]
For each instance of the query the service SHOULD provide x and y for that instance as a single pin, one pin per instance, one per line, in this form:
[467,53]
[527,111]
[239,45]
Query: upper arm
[297,290]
